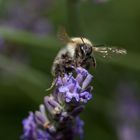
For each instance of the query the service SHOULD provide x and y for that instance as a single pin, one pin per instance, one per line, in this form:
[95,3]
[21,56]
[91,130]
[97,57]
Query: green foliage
[22,85]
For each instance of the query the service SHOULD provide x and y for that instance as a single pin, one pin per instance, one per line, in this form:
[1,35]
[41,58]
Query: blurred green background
[28,45]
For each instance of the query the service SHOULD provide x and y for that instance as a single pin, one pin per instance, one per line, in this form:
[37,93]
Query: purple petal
[79,79]
[82,71]
[79,127]
[63,89]
[52,105]
[70,96]
[85,96]
[29,127]
[87,81]
[39,118]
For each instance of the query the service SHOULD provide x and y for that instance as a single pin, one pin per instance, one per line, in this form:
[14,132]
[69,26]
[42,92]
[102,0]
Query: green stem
[73,20]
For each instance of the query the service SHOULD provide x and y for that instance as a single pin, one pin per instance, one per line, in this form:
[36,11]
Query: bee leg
[93,62]
[85,63]
[52,85]
[59,70]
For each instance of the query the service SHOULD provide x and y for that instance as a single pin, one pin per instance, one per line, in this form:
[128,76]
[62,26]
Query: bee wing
[109,52]
[62,35]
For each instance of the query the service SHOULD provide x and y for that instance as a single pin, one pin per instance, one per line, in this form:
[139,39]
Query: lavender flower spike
[58,118]
[75,88]
[32,131]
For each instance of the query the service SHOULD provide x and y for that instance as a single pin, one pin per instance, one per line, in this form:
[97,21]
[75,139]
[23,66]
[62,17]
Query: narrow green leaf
[28,79]
[26,38]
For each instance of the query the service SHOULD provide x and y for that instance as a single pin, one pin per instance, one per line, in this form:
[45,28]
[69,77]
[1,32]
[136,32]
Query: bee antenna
[82,40]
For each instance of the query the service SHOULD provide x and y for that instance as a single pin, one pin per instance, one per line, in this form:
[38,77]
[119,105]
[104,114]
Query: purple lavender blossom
[79,127]
[128,113]
[32,131]
[76,89]
[58,118]
[29,127]
[28,16]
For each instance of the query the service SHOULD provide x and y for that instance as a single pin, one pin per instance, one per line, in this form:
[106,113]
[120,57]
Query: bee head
[85,49]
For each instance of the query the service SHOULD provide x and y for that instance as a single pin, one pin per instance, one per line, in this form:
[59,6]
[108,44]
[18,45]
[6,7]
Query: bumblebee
[79,52]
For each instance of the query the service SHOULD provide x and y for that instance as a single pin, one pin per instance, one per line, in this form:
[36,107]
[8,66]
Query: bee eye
[89,51]
[83,47]
[86,49]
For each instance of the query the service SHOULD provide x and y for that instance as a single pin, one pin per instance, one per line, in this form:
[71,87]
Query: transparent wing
[62,35]
[109,52]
